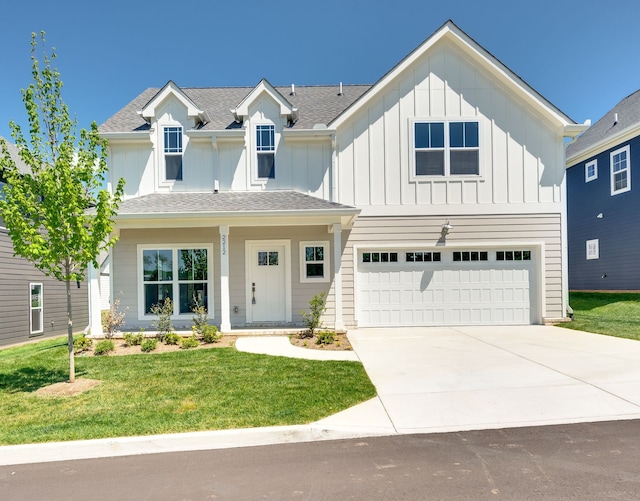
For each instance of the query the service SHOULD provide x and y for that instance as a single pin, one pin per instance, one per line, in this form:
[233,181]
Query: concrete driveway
[464,378]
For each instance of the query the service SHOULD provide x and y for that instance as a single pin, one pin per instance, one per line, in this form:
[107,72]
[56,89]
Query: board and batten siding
[521,155]
[17,274]
[486,230]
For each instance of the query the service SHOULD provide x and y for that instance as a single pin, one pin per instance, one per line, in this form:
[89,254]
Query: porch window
[314,262]
[180,273]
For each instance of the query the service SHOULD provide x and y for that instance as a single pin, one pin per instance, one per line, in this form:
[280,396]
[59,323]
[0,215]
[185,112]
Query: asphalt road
[582,461]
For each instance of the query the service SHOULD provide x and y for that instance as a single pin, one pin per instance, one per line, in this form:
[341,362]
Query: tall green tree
[58,213]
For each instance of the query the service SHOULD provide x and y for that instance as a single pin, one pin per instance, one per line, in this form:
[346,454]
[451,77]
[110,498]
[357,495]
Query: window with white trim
[36,308]
[173,153]
[177,272]
[591,171]
[446,148]
[593,249]
[266,151]
[314,262]
[620,171]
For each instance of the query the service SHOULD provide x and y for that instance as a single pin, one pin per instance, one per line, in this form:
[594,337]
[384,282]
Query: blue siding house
[603,205]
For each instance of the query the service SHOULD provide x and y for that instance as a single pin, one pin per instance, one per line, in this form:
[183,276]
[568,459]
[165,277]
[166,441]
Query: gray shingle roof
[316,105]
[15,156]
[227,202]
[628,111]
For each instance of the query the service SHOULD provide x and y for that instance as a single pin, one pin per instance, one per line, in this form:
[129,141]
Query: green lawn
[613,314]
[208,389]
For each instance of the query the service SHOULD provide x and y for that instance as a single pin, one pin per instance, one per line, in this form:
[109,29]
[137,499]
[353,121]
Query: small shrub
[113,318]
[163,311]
[82,344]
[103,347]
[149,344]
[132,339]
[317,307]
[171,338]
[189,342]
[200,317]
[325,337]
[210,334]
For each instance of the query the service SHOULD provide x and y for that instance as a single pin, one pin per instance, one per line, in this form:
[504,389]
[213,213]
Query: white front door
[267,285]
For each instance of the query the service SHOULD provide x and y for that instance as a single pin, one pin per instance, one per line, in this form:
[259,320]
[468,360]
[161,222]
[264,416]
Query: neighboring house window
[180,273]
[265,149]
[593,249]
[173,153]
[446,148]
[36,308]
[591,171]
[314,262]
[620,171]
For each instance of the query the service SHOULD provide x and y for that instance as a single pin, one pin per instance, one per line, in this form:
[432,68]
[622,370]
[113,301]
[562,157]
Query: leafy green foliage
[325,337]
[189,342]
[210,334]
[104,347]
[163,323]
[82,344]
[133,339]
[54,208]
[171,338]
[312,318]
[149,344]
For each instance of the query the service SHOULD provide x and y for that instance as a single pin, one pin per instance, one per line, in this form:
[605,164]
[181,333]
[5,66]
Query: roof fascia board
[604,145]
[148,112]
[451,32]
[142,136]
[286,108]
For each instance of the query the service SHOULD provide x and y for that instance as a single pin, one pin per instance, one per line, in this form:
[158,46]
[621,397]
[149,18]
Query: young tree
[58,214]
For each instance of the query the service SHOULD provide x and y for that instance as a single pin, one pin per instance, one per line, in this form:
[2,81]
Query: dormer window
[173,153]
[266,151]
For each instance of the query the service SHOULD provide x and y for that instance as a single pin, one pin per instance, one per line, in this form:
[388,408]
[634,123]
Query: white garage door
[449,287]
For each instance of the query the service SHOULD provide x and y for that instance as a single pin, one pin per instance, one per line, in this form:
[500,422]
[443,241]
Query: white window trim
[176,283]
[254,152]
[593,249]
[162,167]
[447,149]
[627,169]
[588,178]
[31,308]
[326,262]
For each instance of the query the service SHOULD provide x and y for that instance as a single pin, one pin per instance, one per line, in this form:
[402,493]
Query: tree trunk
[72,361]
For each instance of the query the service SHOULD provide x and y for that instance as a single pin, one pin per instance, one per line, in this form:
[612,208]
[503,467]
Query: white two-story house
[432,197]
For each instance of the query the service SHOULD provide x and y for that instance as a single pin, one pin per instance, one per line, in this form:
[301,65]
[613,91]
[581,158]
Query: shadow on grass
[29,379]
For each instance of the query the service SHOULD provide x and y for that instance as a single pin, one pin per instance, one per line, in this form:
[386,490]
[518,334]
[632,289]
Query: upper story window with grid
[173,153]
[446,149]
[266,151]
[620,171]
[591,171]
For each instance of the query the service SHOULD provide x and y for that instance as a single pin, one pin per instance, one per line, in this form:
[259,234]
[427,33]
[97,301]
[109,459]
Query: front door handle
[253,293]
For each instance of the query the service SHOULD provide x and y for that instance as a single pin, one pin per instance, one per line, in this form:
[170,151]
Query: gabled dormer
[150,112]
[264,113]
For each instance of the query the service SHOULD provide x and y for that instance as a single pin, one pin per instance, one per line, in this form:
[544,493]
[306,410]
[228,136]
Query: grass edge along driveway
[207,389]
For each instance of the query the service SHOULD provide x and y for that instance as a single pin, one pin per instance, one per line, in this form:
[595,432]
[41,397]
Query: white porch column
[95,318]
[337,280]
[225,312]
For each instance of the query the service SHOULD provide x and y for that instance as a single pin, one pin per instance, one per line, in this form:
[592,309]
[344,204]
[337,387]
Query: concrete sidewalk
[428,380]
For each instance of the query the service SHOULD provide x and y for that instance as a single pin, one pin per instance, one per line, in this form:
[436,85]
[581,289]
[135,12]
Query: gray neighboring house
[602,204]
[33,305]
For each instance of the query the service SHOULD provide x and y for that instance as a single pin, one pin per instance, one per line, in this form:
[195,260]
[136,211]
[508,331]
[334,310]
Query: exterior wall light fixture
[446,228]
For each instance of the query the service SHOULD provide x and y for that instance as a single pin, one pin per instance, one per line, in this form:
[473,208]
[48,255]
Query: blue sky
[581,56]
